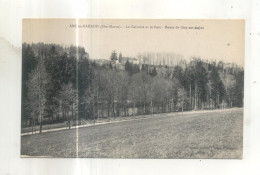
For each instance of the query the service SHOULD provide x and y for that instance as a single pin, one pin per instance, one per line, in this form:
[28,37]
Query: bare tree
[182,99]
[38,79]
[68,97]
[229,84]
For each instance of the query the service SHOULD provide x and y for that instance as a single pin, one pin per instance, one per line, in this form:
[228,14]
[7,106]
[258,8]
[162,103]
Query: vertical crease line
[77,85]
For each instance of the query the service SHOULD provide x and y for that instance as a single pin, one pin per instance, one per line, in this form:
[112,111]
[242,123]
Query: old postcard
[132,88]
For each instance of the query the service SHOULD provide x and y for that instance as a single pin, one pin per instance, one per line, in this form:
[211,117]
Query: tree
[37,91]
[158,89]
[198,78]
[136,68]
[218,90]
[129,68]
[120,57]
[239,89]
[133,93]
[120,88]
[229,82]
[187,84]
[96,93]
[182,99]
[85,80]
[153,73]
[178,73]
[162,93]
[103,88]
[51,63]
[29,62]
[99,89]
[113,56]
[123,91]
[68,96]
[143,80]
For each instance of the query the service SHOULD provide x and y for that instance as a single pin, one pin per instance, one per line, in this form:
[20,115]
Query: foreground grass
[209,135]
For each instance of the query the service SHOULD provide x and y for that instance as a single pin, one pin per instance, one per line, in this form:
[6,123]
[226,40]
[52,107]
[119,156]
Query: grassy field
[217,134]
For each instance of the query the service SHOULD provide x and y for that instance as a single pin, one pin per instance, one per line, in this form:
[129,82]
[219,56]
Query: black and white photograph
[132,88]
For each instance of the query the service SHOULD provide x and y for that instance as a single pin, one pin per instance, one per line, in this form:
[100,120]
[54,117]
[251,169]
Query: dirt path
[126,119]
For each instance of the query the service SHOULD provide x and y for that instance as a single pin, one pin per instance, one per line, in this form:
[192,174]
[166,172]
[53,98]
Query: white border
[11,15]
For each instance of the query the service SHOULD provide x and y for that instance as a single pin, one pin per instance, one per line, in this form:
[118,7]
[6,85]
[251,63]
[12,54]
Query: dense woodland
[63,84]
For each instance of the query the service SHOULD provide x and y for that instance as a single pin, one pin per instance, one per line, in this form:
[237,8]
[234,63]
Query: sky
[215,40]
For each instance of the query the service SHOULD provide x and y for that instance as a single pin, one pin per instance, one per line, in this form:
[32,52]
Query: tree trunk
[195,105]
[182,106]
[144,108]
[162,107]
[52,118]
[170,105]
[97,106]
[40,113]
[72,113]
[69,119]
[40,121]
[113,106]
[125,108]
[34,125]
[152,106]
[93,107]
[134,108]
[218,102]
[108,110]
[32,121]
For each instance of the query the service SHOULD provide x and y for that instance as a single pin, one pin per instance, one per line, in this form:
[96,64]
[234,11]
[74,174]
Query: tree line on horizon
[64,84]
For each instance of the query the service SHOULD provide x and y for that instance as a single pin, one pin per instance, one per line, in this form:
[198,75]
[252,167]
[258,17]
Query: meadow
[214,134]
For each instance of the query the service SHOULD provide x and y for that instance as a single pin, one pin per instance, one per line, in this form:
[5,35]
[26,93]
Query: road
[215,134]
